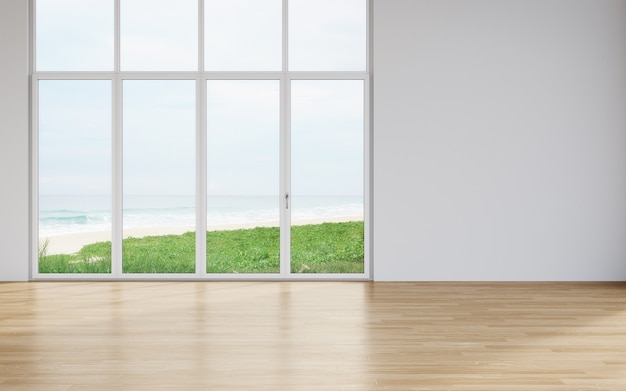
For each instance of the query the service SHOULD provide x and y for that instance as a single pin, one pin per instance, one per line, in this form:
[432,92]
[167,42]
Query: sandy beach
[71,243]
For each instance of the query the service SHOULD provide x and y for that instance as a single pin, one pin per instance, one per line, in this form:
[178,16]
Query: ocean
[66,214]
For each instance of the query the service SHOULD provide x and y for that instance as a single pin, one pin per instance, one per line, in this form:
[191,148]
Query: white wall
[14,140]
[500,140]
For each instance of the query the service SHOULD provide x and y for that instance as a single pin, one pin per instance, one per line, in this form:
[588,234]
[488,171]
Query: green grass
[254,250]
[319,248]
[327,248]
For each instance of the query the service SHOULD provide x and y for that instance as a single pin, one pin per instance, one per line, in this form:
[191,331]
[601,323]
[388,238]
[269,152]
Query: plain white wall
[499,140]
[14,155]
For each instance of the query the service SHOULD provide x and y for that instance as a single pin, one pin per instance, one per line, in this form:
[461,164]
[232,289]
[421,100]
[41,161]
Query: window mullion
[285,179]
[116,147]
[35,177]
[367,170]
[117,167]
[33,37]
[369,36]
[285,35]
[201,175]
[285,191]
[200,35]
[201,151]
[116,33]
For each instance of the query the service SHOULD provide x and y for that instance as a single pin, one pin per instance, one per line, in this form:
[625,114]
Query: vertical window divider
[201,36]
[368,35]
[201,151]
[33,36]
[285,36]
[369,147]
[285,208]
[116,36]
[116,148]
[201,175]
[367,186]
[117,185]
[34,146]
[34,196]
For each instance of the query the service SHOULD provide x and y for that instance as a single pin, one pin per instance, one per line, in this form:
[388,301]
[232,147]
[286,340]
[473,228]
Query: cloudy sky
[159,117]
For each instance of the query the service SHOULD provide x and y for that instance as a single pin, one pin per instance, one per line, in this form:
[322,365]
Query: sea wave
[223,210]
[76,219]
[56,222]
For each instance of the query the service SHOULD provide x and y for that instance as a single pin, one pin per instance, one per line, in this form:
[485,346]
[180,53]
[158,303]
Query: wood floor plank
[90,336]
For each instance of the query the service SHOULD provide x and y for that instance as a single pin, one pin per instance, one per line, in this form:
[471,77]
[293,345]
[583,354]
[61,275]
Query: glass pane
[75,176]
[159,176]
[243,35]
[327,35]
[74,35]
[243,142]
[327,176]
[159,35]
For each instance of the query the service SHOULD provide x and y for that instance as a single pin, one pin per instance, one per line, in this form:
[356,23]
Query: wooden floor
[64,336]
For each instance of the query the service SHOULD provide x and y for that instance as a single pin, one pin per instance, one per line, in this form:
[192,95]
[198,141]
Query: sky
[159,117]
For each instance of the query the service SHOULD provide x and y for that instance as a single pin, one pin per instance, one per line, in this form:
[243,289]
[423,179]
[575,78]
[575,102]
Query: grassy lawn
[319,248]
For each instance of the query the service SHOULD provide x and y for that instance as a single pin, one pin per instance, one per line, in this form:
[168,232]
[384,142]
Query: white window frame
[201,77]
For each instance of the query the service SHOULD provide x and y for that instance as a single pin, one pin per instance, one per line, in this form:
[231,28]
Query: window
[74,35]
[200,139]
